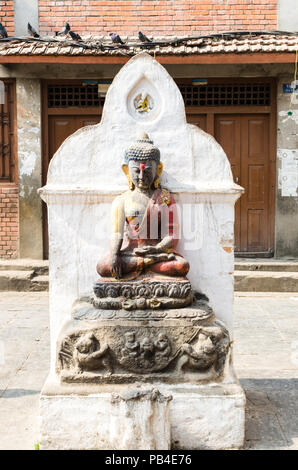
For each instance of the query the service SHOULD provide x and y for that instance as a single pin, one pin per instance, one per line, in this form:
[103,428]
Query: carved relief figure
[145,354]
[147,348]
[143,103]
[145,226]
[90,355]
[131,347]
[162,345]
[204,352]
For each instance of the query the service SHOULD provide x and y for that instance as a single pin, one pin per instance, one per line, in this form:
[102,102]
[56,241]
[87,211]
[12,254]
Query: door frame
[210,112]
[10,94]
[46,113]
[271,111]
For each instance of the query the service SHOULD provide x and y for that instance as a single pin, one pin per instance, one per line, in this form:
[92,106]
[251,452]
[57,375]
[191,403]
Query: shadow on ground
[271,413]
[17,392]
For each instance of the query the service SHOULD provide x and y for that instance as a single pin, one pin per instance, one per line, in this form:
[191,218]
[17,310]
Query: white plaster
[137,424]
[27,163]
[199,417]
[286,118]
[287,15]
[141,90]
[288,173]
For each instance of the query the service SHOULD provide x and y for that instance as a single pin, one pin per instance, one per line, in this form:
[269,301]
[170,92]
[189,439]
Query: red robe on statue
[160,220]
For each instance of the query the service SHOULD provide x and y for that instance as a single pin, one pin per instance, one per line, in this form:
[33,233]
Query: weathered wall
[287,11]
[157,17]
[29,163]
[286,221]
[9,222]
[25,11]
[100,71]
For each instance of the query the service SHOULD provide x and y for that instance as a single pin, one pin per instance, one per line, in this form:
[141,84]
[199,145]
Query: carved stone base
[198,416]
[145,293]
[171,345]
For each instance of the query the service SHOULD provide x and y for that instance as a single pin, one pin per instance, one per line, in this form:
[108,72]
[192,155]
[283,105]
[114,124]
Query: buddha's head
[142,165]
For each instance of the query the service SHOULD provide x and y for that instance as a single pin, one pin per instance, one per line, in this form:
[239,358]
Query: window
[60,96]
[233,94]
[7,133]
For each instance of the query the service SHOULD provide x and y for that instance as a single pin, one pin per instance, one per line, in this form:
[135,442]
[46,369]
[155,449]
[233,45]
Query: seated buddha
[145,225]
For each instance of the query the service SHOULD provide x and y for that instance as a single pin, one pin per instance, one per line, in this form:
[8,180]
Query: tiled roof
[249,43]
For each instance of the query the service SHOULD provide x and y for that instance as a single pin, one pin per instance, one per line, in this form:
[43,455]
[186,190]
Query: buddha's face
[143,174]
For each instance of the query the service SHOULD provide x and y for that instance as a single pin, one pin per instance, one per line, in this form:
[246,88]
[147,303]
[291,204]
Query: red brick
[9,226]
[87,15]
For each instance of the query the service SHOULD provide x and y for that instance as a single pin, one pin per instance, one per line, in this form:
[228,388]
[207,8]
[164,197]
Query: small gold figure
[143,105]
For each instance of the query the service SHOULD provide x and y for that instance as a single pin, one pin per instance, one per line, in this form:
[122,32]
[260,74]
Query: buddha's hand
[116,269]
[146,250]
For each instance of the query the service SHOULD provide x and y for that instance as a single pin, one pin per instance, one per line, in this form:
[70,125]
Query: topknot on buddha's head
[143,149]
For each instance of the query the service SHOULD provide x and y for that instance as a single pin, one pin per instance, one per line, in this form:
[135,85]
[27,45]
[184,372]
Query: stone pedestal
[108,361]
[97,353]
[197,417]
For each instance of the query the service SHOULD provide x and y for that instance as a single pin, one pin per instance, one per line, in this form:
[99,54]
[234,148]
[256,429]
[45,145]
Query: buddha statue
[145,226]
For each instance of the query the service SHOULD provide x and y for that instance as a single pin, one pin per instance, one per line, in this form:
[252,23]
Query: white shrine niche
[83,179]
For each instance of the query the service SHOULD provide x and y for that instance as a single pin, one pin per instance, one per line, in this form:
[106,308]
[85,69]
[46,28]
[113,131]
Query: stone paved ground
[266,360]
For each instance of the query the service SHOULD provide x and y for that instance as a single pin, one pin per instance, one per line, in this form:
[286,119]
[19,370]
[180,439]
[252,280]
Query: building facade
[237,87]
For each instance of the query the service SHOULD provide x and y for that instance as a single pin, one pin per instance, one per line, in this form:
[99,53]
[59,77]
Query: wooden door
[199,120]
[228,134]
[245,139]
[59,128]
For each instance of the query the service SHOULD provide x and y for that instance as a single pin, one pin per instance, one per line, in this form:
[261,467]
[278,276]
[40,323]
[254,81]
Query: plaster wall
[287,15]
[25,11]
[29,167]
[287,173]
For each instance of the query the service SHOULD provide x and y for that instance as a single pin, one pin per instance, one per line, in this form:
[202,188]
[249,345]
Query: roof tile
[196,46]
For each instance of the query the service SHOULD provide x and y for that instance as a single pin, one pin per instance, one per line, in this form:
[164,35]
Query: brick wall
[7,16]
[9,222]
[167,17]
